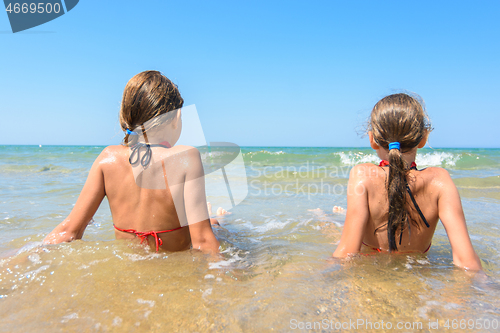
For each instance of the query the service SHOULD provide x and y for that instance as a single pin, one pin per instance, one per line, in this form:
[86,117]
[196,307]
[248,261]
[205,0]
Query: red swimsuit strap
[371,247]
[379,250]
[428,248]
[144,235]
[384,163]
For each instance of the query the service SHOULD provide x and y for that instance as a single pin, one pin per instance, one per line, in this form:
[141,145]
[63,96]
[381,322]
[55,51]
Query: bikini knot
[144,235]
[136,154]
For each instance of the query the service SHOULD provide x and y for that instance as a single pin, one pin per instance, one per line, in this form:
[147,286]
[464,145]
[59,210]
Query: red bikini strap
[371,247]
[144,235]
[384,163]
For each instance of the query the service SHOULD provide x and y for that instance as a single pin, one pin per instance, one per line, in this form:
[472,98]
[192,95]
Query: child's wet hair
[147,95]
[398,118]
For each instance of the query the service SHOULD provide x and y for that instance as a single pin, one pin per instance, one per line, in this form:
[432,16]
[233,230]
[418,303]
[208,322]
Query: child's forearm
[56,237]
[63,233]
[209,244]
[473,263]
[340,253]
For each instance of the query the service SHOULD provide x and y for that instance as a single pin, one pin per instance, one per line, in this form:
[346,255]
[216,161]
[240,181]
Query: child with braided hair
[394,206]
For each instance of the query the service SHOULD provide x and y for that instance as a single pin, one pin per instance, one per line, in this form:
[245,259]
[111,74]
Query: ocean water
[277,273]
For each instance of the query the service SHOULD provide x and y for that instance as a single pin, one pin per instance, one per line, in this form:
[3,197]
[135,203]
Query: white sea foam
[206,293]
[352,158]
[252,153]
[138,257]
[304,222]
[67,318]
[437,159]
[93,262]
[143,301]
[29,247]
[35,258]
[271,224]
[450,306]
[117,321]
[225,263]
[33,274]
[220,264]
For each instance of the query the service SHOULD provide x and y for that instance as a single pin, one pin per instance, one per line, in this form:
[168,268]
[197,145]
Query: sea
[276,273]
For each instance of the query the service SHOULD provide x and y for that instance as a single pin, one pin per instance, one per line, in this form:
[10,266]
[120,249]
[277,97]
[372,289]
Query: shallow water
[277,274]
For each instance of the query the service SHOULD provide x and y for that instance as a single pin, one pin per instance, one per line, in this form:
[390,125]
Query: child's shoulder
[186,149]
[366,170]
[434,172]
[113,150]
[180,152]
[191,155]
[367,174]
[119,154]
[436,175]
[112,154]
[180,155]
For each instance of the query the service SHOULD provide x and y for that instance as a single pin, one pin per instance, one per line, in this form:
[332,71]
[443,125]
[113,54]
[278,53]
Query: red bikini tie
[384,163]
[144,235]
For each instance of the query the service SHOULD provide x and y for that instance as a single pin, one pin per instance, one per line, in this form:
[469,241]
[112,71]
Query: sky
[261,73]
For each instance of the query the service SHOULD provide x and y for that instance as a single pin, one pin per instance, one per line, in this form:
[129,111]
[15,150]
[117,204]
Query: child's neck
[409,156]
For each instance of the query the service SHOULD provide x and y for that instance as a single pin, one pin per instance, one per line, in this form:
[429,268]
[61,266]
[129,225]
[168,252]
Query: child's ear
[373,144]
[424,140]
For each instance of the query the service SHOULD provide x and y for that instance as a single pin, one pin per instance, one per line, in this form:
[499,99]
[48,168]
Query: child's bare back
[395,206]
[143,209]
[156,190]
[426,186]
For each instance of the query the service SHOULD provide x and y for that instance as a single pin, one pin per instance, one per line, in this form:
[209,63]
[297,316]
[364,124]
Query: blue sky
[260,73]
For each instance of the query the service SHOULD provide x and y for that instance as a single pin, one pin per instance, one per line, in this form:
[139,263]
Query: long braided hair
[398,118]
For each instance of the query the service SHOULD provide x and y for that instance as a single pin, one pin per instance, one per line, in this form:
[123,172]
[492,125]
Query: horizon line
[266,146]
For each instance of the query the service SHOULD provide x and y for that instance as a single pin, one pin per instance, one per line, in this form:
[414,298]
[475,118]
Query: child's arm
[202,236]
[89,200]
[357,213]
[452,216]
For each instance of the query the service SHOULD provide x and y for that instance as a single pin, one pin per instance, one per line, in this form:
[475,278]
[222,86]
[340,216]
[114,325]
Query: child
[394,206]
[156,190]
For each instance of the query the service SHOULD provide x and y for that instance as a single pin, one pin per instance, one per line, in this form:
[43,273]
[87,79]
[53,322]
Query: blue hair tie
[129,132]
[394,145]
